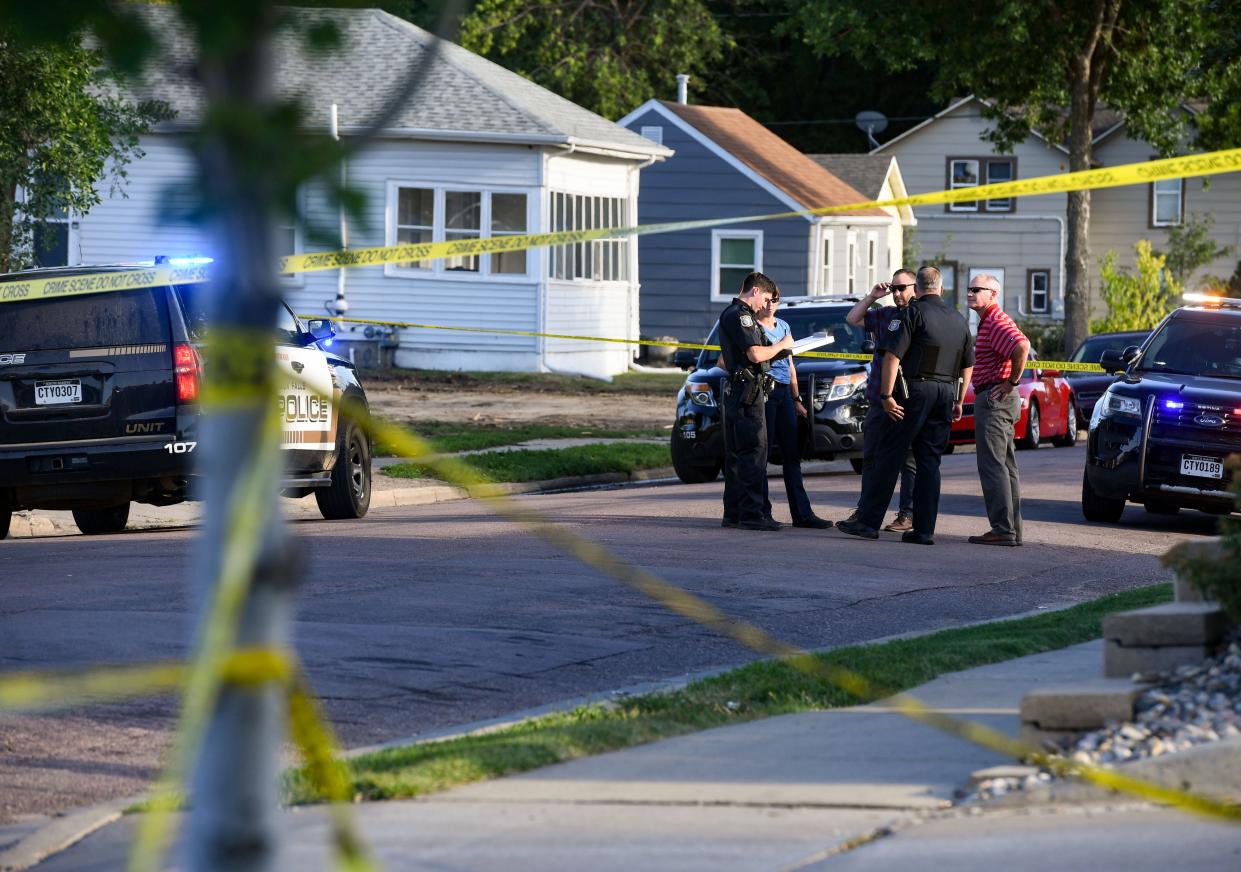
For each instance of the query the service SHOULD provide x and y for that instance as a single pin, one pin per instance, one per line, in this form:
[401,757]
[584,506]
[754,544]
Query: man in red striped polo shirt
[1000,352]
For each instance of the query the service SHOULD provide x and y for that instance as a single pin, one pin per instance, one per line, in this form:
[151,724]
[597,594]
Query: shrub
[1046,338]
[1136,301]
[1216,571]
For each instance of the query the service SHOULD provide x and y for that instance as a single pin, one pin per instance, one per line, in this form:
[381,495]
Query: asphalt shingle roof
[866,172]
[462,92]
[771,157]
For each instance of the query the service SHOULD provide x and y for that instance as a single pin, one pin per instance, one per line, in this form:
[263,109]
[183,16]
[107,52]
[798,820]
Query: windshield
[803,323]
[1092,349]
[193,304]
[1188,346]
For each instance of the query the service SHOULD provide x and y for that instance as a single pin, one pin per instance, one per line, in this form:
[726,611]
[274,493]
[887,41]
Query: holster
[750,386]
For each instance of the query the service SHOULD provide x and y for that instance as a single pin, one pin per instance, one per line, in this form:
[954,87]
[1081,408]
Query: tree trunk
[1077,257]
[234,784]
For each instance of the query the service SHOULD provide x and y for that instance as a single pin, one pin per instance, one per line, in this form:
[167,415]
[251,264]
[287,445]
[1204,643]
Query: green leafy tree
[1136,300]
[608,56]
[64,131]
[1043,65]
[1190,246]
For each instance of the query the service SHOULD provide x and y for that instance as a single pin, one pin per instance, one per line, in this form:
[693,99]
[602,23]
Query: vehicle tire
[1069,439]
[6,518]
[349,494]
[1031,439]
[1099,508]
[94,522]
[1159,507]
[687,470]
[856,463]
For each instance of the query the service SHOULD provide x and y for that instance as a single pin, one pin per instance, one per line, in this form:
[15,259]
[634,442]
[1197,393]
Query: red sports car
[1048,411]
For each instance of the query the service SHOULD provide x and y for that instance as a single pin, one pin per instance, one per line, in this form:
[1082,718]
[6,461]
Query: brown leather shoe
[990,538]
[902,523]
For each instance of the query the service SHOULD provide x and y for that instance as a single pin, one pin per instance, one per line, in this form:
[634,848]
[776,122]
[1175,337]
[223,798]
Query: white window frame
[1046,292]
[851,262]
[971,206]
[437,270]
[1179,194]
[825,261]
[872,259]
[983,174]
[620,247]
[717,236]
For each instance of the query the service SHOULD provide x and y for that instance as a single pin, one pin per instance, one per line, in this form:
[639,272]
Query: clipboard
[811,342]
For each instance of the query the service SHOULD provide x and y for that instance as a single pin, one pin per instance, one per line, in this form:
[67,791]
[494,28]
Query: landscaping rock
[1144,662]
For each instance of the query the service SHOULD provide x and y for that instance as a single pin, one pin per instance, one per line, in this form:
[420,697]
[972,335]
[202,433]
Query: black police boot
[814,522]
[728,522]
[766,525]
[916,538]
[853,528]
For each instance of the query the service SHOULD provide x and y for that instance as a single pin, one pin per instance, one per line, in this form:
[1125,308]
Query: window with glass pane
[963,174]
[871,262]
[1167,202]
[999,171]
[737,260]
[851,266]
[508,218]
[415,221]
[599,259]
[286,244]
[1040,298]
[463,219]
[826,286]
[51,243]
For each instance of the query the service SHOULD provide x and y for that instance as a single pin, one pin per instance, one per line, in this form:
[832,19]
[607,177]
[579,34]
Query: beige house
[1023,240]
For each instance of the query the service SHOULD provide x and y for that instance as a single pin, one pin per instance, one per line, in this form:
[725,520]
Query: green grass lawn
[451,437]
[530,465]
[661,384]
[759,690]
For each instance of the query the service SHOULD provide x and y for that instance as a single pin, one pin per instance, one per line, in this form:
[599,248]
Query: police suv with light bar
[99,404]
[834,392]
[1161,433]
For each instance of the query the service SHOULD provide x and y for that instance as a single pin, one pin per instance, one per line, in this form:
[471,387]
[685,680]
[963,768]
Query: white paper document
[811,342]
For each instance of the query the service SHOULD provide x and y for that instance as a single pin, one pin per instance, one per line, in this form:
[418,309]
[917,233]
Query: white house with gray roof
[478,151]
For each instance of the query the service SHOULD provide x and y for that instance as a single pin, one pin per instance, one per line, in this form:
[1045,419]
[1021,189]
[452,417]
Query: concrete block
[1178,623]
[1209,548]
[1122,661]
[1084,706]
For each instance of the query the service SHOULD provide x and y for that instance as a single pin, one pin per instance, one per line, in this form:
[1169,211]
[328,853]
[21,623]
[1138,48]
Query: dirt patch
[498,406]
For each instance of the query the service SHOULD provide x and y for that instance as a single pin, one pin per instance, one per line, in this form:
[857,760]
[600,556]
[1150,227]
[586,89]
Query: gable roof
[769,156]
[464,97]
[865,172]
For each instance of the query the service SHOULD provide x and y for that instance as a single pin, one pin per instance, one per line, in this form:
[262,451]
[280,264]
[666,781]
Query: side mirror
[1113,361]
[1130,353]
[685,358]
[320,328]
[868,346]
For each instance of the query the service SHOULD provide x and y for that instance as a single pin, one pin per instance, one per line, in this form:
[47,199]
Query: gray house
[727,165]
[481,152]
[1023,240]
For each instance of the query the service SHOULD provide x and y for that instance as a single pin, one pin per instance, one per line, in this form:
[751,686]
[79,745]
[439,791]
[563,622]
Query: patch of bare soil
[500,406]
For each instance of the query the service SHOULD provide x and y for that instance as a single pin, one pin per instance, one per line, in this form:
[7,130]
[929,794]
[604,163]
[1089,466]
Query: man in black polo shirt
[932,345]
[746,352]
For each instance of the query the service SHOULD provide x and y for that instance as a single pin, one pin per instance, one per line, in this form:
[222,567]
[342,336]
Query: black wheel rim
[357,467]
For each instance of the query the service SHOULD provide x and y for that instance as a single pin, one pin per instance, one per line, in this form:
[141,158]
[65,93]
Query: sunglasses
[978,290]
[900,287]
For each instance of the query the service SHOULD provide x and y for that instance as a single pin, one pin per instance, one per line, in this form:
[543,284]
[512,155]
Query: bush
[1136,301]
[1215,571]
[1046,338]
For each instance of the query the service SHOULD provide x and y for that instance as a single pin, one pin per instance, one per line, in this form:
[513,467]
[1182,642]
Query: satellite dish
[871,122]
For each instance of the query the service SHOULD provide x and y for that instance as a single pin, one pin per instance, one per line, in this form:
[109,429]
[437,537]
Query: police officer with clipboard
[746,352]
[930,345]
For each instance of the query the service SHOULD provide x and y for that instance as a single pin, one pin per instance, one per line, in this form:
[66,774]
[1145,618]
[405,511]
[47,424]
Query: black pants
[870,441]
[782,431]
[745,455]
[925,428]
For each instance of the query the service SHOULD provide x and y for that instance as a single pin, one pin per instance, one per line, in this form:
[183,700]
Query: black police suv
[1162,430]
[99,405]
[834,392]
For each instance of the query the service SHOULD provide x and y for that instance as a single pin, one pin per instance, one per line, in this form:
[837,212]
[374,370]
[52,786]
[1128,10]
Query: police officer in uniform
[930,351]
[746,352]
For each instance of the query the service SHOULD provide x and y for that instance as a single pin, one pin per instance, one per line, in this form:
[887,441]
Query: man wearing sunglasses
[874,320]
[1002,351]
[931,344]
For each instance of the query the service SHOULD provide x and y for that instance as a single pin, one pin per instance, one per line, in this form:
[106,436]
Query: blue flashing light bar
[164,260]
[1173,404]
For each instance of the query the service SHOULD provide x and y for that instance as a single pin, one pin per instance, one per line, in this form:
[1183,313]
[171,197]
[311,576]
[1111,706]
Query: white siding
[588,174]
[593,309]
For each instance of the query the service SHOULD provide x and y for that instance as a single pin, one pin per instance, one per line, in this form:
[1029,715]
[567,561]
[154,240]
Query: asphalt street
[416,619]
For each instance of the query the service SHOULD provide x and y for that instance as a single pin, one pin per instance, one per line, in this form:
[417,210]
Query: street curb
[61,833]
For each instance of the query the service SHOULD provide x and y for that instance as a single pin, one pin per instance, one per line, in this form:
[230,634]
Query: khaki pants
[997,461]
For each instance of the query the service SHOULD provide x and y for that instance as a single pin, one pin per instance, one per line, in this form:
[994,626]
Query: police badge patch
[894,325]
[747,321]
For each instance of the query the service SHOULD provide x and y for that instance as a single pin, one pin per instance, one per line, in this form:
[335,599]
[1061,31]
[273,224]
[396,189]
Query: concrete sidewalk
[851,788]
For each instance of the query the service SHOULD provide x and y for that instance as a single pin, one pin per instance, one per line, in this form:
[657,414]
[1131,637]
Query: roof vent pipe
[682,88]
